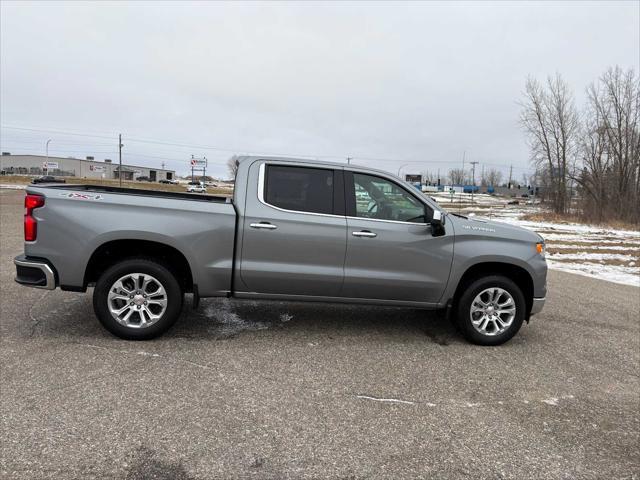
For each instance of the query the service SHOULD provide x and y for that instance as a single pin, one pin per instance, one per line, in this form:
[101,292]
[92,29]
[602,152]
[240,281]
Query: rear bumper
[32,272]
[538,303]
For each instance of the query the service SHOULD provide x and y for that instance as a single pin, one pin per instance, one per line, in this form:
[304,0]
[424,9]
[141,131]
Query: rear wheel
[491,310]
[137,299]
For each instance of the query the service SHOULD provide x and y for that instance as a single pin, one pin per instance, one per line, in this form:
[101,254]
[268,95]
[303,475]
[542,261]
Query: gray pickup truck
[294,230]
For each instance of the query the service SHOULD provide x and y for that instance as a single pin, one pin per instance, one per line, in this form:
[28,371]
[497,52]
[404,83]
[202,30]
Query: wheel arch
[114,251]
[517,274]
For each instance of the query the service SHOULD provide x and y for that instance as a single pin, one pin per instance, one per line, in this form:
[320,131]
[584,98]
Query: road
[279,390]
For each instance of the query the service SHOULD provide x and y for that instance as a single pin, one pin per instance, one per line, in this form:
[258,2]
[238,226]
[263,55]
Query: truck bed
[137,191]
[78,223]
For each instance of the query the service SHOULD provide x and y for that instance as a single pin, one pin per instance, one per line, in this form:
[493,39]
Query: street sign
[198,163]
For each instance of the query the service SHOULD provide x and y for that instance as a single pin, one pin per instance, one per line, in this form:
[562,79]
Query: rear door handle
[364,233]
[265,225]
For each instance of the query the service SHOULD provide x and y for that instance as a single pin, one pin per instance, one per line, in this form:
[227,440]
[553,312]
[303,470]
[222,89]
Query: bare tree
[232,165]
[491,178]
[456,176]
[593,177]
[550,119]
[611,146]
[429,177]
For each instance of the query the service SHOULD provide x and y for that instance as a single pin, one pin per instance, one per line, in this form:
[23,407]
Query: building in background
[78,167]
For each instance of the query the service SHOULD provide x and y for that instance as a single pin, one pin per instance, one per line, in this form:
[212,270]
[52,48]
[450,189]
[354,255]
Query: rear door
[294,232]
[391,253]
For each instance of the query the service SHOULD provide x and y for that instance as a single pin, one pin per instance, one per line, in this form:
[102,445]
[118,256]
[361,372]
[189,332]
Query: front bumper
[538,303]
[34,272]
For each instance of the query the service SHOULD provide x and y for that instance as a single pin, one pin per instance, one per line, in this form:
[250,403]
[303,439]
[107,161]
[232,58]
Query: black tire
[462,316]
[174,298]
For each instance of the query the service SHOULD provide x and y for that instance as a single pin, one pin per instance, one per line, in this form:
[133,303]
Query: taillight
[30,224]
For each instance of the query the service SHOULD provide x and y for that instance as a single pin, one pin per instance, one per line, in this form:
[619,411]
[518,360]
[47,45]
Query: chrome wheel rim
[137,300]
[492,311]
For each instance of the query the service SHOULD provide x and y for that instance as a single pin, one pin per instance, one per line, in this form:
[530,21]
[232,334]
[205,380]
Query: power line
[171,143]
[30,141]
[61,132]
[101,152]
[221,161]
[245,151]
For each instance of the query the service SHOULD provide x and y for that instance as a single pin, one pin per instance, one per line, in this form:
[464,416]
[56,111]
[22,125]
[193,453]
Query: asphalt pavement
[281,390]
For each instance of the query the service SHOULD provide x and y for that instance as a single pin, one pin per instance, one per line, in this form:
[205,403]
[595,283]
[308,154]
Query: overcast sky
[416,83]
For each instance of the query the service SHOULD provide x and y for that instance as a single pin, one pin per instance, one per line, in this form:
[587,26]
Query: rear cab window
[304,189]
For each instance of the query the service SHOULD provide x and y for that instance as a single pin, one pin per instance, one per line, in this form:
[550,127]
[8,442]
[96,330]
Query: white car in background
[196,187]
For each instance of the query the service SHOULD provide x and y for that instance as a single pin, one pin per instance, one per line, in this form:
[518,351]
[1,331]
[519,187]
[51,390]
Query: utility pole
[533,187]
[464,155]
[204,172]
[510,175]
[473,182]
[120,158]
[192,180]
[47,149]
[349,160]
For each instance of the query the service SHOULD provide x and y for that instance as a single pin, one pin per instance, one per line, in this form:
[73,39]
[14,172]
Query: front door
[294,232]
[391,253]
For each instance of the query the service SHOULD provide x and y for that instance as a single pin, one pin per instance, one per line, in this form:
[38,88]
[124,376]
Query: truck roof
[312,161]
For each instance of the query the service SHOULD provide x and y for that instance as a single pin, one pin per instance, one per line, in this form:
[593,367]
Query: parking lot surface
[282,390]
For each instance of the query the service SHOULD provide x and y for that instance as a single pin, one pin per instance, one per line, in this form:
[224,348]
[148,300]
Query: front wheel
[137,299]
[491,310]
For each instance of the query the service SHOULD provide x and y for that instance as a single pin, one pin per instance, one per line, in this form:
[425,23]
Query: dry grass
[595,263]
[630,244]
[552,231]
[571,218]
[551,249]
[161,187]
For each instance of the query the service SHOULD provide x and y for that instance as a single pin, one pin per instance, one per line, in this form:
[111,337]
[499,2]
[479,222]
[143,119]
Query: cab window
[381,199]
[301,189]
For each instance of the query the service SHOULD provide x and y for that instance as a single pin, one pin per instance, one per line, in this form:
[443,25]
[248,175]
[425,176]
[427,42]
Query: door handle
[364,233]
[265,225]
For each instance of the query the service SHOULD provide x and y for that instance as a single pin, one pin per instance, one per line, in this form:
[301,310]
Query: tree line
[595,147]
[491,177]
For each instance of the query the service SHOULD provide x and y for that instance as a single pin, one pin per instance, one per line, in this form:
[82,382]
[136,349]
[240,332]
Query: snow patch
[553,401]
[621,248]
[611,273]
[227,323]
[590,256]
[386,400]
[147,354]
[586,260]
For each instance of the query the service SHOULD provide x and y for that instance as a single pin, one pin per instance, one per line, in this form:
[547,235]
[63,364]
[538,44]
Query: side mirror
[437,224]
